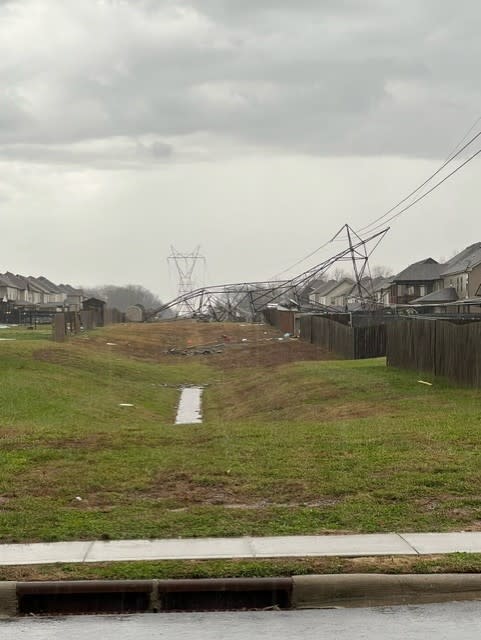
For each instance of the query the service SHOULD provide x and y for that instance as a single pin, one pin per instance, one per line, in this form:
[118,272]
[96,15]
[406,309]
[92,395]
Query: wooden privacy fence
[71,322]
[437,347]
[283,320]
[349,342]
[65,324]
[332,333]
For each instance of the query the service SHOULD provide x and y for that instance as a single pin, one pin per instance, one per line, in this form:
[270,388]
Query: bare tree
[338,273]
[122,297]
[381,271]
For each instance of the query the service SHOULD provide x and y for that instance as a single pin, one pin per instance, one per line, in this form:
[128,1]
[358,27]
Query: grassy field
[291,442]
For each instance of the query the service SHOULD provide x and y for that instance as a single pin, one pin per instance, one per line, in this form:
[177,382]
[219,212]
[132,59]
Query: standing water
[189,410]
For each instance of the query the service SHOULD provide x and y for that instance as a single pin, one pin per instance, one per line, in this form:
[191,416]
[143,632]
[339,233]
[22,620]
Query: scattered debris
[78,498]
[430,384]
[287,335]
[197,351]
[125,404]
[7,339]
[244,340]
[111,344]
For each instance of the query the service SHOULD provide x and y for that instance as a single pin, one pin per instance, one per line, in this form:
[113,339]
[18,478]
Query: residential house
[463,272]
[8,292]
[34,295]
[309,289]
[435,301]
[16,288]
[56,295]
[345,290]
[320,294]
[417,280]
[74,297]
[381,289]
[46,296]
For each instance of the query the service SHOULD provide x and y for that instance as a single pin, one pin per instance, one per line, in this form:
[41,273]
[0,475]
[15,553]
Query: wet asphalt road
[439,621]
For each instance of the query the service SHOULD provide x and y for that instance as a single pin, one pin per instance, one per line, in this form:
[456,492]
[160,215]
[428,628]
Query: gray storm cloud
[326,78]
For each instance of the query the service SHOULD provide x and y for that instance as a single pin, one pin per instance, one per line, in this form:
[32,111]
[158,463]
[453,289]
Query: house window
[411,290]
[422,290]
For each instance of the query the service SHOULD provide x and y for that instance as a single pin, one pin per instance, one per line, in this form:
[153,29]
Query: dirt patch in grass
[228,345]
[268,354]
[149,341]
[58,356]
[181,487]
[185,489]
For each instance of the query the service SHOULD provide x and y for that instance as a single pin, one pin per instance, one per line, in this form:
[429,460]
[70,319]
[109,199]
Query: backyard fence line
[70,323]
[438,348]
[334,332]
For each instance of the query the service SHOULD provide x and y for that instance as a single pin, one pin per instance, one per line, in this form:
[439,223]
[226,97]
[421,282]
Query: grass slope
[298,448]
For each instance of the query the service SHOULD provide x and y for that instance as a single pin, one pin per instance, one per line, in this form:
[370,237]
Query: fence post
[58,327]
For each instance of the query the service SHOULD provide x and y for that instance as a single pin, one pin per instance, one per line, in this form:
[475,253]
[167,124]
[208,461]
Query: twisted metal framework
[245,300]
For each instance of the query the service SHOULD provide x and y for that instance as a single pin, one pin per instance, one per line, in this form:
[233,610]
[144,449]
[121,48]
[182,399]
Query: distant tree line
[121,297]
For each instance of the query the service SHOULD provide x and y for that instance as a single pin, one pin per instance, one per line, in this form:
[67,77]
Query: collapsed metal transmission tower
[185,265]
[245,300]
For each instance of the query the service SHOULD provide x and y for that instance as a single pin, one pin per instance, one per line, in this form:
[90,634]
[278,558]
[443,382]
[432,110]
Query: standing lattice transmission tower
[185,265]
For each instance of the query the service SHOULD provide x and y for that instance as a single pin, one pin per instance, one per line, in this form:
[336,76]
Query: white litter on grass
[189,409]
[7,339]
[111,344]
[244,340]
[430,384]
[125,404]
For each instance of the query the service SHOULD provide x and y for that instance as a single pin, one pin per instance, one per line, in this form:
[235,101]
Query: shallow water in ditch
[190,406]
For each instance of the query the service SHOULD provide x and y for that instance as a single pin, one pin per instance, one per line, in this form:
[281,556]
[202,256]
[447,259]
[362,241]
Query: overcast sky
[254,128]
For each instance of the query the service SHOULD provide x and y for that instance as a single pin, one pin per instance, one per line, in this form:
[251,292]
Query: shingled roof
[448,294]
[422,271]
[463,261]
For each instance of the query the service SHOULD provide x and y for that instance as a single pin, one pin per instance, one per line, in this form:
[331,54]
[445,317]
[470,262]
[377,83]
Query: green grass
[24,332]
[182,569]
[304,448]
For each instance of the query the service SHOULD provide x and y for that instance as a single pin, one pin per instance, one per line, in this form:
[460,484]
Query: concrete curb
[8,599]
[299,592]
[370,590]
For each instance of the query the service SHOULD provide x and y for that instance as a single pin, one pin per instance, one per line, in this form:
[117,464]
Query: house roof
[448,294]
[39,285]
[52,288]
[314,285]
[325,287]
[67,288]
[463,261]
[30,286]
[14,281]
[423,271]
[345,285]
[378,284]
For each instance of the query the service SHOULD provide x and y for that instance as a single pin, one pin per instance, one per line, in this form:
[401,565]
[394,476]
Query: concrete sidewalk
[383,544]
